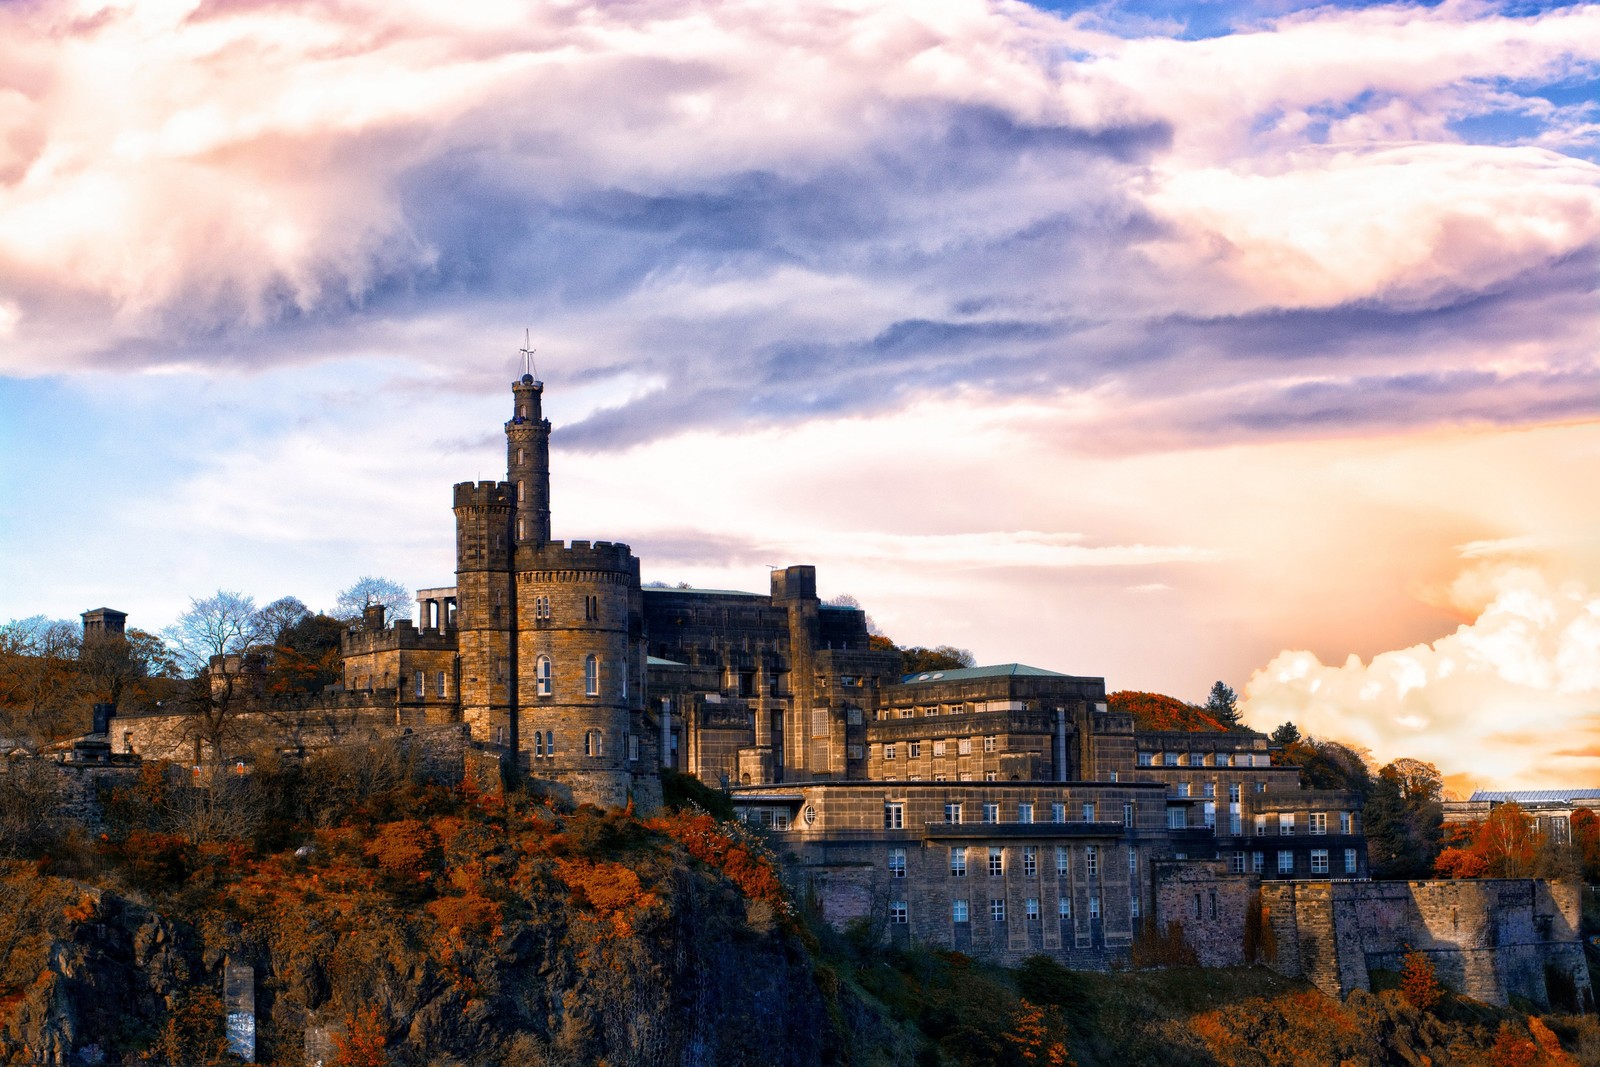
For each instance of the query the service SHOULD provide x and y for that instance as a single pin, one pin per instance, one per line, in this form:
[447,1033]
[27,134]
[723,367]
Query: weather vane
[529,367]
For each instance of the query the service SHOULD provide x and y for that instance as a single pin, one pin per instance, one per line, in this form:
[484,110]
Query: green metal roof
[998,670]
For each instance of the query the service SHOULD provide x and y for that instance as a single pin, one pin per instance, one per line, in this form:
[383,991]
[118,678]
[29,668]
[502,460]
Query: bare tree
[41,697]
[215,643]
[371,589]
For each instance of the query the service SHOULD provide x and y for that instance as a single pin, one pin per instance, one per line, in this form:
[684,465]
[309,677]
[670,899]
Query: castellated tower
[551,635]
[485,610]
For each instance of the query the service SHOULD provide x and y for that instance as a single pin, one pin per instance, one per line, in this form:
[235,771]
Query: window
[1133,863]
[897,912]
[1319,823]
[888,752]
[1030,908]
[1319,861]
[894,815]
[938,748]
[1233,793]
[1197,906]
[1133,905]
[1088,812]
[545,681]
[591,676]
[990,776]
[591,608]
[1286,823]
[1285,862]
[997,909]
[1030,860]
[1236,863]
[422,685]
[624,677]
[958,862]
[1061,860]
[538,743]
[997,861]
[522,530]
[1213,895]
[991,813]
[633,746]
[1145,759]
[1064,907]
[1261,787]
[439,680]
[897,863]
[1181,789]
[952,812]
[1169,759]
[1024,812]
[1209,789]
[591,742]
[1261,826]
[1094,907]
[1344,822]
[958,911]
[988,744]
[522,491]
[549,742]
[1091,860]
[1177,818]
[914,750]
[1208,814]
[1258,862]
[1127,814]
[1058,813]
[1349,861]
[964,747]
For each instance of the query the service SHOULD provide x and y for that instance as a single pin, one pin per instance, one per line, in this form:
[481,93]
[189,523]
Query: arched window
[520,534]
[591,676]
[549,742]
[543,674]
[538,743]
[624,677]
[522,491]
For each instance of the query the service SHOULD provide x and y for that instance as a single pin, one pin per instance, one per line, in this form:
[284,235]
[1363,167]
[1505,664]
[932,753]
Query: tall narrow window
[538,743]
[545,678]
[591,676]
[422,685]
[441,684]
[522,491]
[624,677]
[520,531]
[549,742]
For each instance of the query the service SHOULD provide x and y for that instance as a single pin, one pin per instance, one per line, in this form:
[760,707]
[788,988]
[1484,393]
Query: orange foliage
[1505,845]
[406,849]
[1549,1044]
[1511,1049]
[1156,711]
[611,889]
[363,1042]
[1418,982]
[743,860]
[1038,1036]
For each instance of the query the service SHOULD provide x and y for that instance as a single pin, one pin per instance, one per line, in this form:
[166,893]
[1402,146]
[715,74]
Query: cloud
[772,218]
[1502,700]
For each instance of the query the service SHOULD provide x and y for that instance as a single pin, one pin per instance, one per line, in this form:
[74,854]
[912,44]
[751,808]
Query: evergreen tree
[1223,704]
[1287,734]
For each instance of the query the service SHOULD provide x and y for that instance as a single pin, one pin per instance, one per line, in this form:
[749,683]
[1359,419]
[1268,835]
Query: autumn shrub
[733,850]
[192,1032]
[1419,983]
[1037,1035]
[364,1042]
[613,892]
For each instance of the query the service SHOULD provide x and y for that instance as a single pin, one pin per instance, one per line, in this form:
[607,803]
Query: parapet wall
[604,556]
[482,494]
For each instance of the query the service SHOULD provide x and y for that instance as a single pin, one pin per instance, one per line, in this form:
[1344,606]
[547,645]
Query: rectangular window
[1349,861]
[888,752]
[1236,863]
[952,812]
[1030,908]
[997,909]
[1133,863]
[964,747]
[988,744]
[1285,862]
[1208,814]
[898,914]
[1319,823]
[1258,862]
[633,747]
[1088,812]
[1030,860]
[958,862]
[422,685]
[1286,824]
[1145,759]
[1181,789]
[1261,826]
[1319,861]
[913,750]
[1024,813]
[997,861]
[1127,814]
[1094,907]
[894,815]
[440,680]
[991,813]
[1344,822]
[1177,818]
[1058,813]
[1233,793]
[1091,860]
[897,863]
[990,776]
[958,911]
[1133,904]
[1169,759]
[1064,907]
[938,749]
[1061,860]
[1209,789]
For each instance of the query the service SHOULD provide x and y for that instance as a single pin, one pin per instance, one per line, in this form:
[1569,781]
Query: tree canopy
[371,589]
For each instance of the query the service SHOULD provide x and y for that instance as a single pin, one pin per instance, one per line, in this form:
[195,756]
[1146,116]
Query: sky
[1166,342]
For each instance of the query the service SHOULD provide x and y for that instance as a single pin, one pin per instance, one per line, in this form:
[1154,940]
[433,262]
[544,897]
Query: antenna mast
[529,367]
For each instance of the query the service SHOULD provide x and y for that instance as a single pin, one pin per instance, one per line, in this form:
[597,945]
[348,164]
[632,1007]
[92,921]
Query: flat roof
[702,592]
[1537,796]
[998,670]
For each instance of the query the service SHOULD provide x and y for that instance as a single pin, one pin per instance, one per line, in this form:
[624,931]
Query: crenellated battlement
[483,494]
[603,556]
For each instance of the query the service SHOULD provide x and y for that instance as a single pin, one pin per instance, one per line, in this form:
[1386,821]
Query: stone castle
[1000,810]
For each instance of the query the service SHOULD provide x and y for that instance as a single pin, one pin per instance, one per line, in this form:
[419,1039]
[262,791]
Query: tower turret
[484,617]
[528,463]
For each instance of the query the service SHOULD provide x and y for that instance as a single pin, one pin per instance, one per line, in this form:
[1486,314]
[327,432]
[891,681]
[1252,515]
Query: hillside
[1156,711]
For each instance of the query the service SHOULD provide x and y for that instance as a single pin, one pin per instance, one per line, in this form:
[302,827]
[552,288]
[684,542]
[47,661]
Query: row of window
[996,860]
[963,745]
[544,743]
[1204,759]
[1316,823]
[1319,864]
[961,910]
[894,813]
[421,683]
[545,681]
[591,608]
